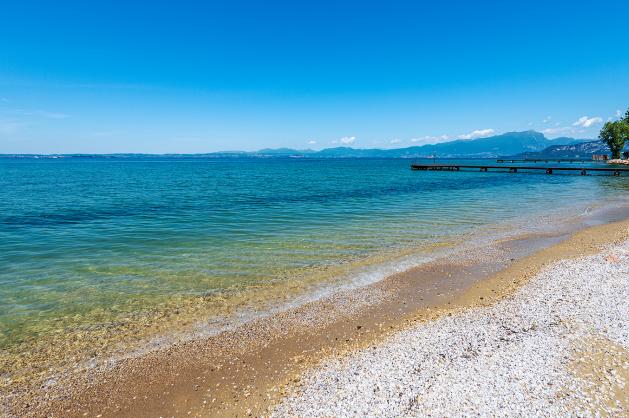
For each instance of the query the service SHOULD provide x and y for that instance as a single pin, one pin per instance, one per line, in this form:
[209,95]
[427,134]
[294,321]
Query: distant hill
[506,144]
[284,151]
[579,150]
[574,150]
[510,143]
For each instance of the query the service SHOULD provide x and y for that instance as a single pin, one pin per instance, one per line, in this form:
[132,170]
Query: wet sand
[247,370]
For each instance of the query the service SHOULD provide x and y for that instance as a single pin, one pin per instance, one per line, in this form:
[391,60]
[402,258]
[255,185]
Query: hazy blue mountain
[510,143]
[506,144]
[573,150]
[284,151]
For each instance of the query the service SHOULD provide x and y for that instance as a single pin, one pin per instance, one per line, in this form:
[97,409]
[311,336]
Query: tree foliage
[615,133]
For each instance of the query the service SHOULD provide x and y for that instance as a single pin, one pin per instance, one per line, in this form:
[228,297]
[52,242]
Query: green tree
[614,134]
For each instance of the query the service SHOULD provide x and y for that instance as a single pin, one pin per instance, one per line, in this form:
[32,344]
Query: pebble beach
[544,332]
[558,346]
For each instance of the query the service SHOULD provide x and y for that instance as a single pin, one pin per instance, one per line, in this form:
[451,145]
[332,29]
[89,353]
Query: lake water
[92,244]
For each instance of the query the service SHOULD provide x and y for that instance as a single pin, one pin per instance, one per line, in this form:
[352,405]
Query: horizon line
[262,150]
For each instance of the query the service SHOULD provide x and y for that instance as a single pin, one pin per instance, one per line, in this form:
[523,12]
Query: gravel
[515,358]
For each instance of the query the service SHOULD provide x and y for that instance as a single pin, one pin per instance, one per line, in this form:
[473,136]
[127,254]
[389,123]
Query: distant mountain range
[574,150]
[505,144]
[510,143]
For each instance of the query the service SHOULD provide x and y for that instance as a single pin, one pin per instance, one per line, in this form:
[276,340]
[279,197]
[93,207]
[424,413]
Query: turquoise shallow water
[84,241]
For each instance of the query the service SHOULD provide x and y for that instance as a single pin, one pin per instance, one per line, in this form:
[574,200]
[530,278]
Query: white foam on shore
[511,359]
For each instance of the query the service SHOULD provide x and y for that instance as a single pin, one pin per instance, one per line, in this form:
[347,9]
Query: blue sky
[188,76]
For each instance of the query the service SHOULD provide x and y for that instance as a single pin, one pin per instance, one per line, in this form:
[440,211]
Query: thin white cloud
[103,134]
[348,140]
[618,113]
[395,141]
[560,130]
[312,142]
[35,113]
[9,127]
[429,139]
[49,115]
[585,122]
[547,119]
[479,133]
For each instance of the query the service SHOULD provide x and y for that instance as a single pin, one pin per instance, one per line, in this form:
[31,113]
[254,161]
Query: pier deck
[616,171]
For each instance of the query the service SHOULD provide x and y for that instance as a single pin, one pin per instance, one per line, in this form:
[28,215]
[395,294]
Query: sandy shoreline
[559,346]
[249,369]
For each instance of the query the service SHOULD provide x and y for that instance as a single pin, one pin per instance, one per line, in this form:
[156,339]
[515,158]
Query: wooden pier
[616,171]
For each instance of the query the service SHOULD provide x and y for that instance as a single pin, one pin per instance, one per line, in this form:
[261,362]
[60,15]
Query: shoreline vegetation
[251,369]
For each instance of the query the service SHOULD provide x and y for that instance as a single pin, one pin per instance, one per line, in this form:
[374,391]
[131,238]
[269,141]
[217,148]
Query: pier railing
[616,171]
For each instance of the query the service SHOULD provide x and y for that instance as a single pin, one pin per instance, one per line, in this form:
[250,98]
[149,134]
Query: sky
[192,77]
